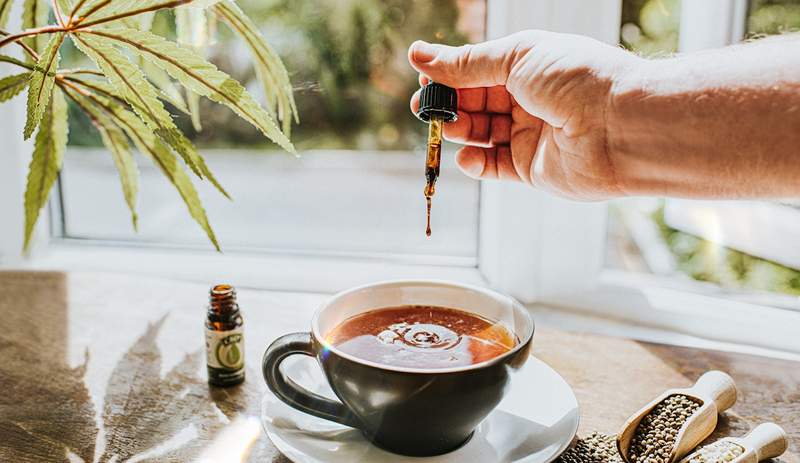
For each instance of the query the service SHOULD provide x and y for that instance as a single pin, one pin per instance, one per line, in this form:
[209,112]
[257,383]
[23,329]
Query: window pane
[357,187]
[742,249]
[772,17]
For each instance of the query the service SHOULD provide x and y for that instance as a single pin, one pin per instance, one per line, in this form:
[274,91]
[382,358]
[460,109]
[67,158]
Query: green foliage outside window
[348,66]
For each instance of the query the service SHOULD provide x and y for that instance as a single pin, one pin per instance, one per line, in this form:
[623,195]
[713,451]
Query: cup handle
[293,394]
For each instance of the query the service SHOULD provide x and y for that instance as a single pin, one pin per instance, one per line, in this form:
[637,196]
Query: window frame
[661,303]
[552,255]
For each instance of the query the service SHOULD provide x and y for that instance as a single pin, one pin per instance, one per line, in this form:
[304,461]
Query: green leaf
[125,6]
[193,100]
[15,61]
[5,9]
[65,6]
[104,88]
[48,155]
[143,21]
[41,84]
[200,4]
[270,69]
[153,147]
[200,76]
[35,13]
[168,90]
[175,173]
[11,86]
[191,28]
[191,31]
[116,141]
[129,82]
[146,20]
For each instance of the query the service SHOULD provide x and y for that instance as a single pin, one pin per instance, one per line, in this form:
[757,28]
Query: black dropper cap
[438,99]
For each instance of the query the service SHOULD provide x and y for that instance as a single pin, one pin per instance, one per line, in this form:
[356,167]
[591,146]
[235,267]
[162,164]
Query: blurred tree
[348,63]
[773,17]
[650,27]
[347,60]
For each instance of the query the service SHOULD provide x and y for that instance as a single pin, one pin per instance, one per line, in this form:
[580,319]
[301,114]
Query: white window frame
[541,249]
[555,254]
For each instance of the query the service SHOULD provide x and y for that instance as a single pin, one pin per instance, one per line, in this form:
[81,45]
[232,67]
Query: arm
[721,123]
[591,121]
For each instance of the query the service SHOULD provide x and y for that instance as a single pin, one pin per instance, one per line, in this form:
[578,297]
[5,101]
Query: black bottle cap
[438,99]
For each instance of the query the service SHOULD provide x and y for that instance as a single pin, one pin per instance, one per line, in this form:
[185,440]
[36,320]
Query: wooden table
[103,366]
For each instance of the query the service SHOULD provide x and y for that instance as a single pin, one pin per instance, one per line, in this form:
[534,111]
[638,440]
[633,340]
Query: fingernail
[424,52]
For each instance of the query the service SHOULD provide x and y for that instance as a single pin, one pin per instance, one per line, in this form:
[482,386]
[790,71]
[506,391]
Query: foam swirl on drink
[422,337]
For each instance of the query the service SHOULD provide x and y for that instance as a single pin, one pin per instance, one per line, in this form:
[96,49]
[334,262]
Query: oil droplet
[428,204]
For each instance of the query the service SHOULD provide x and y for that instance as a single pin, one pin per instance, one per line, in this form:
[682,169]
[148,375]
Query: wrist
[628,125]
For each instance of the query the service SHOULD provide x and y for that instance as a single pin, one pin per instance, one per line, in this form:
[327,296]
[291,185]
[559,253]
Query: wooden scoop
[715,391]
[767,440]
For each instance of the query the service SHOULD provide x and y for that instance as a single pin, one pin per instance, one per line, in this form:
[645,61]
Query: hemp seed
[654,437]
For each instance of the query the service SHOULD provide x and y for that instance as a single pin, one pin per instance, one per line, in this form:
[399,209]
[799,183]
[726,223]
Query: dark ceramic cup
[410,411]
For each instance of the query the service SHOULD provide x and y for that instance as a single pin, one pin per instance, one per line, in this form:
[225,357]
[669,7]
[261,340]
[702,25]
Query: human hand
[533,107]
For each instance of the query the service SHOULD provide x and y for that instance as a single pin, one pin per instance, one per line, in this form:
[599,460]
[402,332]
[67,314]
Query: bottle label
[225,349]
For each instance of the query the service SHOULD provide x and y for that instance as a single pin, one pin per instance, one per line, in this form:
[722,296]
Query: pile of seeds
[654,438]
[719,452]
[596,448]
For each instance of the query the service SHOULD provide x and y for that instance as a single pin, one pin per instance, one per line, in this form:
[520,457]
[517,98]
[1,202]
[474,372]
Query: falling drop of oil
[428,229]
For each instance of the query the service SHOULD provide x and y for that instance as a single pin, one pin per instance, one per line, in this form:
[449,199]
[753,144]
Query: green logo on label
[229,354]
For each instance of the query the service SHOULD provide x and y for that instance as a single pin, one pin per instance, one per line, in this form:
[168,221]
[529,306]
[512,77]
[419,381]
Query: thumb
[480,65]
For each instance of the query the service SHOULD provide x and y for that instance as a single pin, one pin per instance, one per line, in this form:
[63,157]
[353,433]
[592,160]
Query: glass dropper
[437,104]
[432,162]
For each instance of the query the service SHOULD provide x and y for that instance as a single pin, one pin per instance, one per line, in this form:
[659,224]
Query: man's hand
[591,121]
[534,107]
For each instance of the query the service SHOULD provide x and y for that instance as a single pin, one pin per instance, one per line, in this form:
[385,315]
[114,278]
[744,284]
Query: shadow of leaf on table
[45,408]
[49,414]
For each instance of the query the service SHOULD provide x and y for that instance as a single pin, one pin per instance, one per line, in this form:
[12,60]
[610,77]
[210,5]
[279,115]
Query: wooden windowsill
[95,340]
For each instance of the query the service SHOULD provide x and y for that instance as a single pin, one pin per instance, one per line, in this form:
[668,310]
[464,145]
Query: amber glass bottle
[224,338]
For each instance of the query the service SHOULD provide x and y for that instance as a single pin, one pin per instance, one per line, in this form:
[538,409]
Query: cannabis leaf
[11,86]
[191,31]
[131,83]
[153,147]
[42,83]
[15,61]
[117,142]
[5,10]
[137,71]
[34,14]
[269,68]
[198,75]
[169,91]
[48,155]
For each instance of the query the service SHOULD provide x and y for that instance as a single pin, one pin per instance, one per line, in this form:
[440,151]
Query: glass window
[743,249]
[356,135]
[772,17]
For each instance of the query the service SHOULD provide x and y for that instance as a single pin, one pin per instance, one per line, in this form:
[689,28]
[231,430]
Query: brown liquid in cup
[419,336]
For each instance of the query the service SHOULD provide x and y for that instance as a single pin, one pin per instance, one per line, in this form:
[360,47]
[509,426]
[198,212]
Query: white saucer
[534,423]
